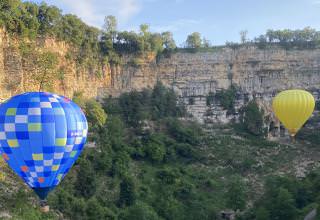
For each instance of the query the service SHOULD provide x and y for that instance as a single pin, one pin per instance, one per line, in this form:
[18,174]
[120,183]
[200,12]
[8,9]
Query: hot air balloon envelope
[293,108]
[41,136]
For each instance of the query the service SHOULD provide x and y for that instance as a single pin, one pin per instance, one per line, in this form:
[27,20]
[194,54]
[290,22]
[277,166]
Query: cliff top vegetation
[31,20]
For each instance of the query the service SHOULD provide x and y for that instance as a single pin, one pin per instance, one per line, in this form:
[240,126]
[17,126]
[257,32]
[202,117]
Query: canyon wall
[255,73]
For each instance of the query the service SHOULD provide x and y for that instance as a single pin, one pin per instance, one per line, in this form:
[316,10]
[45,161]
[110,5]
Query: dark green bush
[128,193]
[86,181]
[252,118]
[139,211]
[227,98]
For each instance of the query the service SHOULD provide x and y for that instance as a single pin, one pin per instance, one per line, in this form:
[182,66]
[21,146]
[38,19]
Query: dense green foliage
[287,198]
[155,166]
[137,107]
[90,45]
[194,40]
[152,147]
[195,43]
[307,38]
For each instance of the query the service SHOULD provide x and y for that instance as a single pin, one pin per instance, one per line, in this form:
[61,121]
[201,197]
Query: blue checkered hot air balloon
[41,136]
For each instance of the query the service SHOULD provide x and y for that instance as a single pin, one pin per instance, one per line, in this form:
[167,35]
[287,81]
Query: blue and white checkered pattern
[41,136]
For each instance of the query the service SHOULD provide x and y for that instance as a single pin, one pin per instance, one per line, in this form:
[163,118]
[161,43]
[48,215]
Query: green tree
[46,70]
[155,149]
[10,14]
[261,41]
[156,43]
[95,211]
[194,40]
[168,176]
[120,164]
[62,201]
[168,41]
[79,99]
[164,102]
[72,30]
[86,180]
[139,211]
[236,194]
[184,134]
[144,30]
[252,118]
[243,36]
[262,214]
[129,42]
[206,43]
[78,207]
[115,132]
[227,98]
[134,107]
[30,11]
[270,35]
[110,26]
[282,207]
[168,207]
[95,113]
[128,193]
[49,18]
[145,36]
[233,45]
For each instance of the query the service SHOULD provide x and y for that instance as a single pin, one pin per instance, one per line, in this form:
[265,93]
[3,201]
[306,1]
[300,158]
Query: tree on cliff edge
[110,26]
[194,40]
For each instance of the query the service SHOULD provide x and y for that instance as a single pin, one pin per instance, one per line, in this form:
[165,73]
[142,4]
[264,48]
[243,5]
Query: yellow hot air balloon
[293,108]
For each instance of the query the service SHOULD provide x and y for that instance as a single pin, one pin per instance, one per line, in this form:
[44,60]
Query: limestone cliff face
[17,71]
[256,73]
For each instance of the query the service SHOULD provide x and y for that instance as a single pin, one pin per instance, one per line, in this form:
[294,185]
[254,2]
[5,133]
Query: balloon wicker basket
[44,207]
[293,139]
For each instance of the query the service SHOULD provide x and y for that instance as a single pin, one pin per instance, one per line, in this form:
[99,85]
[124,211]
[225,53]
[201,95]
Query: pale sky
[217,20]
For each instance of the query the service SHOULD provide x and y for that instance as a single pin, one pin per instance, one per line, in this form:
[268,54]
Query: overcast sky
[217,20]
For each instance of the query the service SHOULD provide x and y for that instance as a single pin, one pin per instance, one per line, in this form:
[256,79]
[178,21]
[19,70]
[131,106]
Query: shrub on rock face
[227,98]
[252,118]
